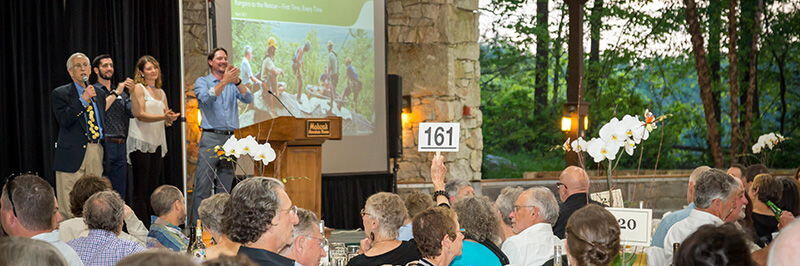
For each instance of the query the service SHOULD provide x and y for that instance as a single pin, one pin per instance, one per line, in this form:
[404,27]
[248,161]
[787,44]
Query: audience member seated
[670,219]
[382,216]
[260,216]
[764,188]
[738,171]
[790,200]
[75,227]
[478,217]
[170,208]
[592,237]
[240,260]
[439,239]
[157,257]
[458,189]
[22,251]
[784,249]
[27,209]
[573,189]
[103,213]
[210,212]
[505,205]
[713,245]
[717,198]
[752,171]
[307,246]
[416,202]
[534,211]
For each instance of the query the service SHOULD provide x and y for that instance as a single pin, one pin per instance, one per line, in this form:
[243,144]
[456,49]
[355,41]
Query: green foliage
[633,76]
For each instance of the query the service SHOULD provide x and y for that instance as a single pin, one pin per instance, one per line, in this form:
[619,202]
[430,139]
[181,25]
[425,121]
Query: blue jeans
[115,166]
[208,168]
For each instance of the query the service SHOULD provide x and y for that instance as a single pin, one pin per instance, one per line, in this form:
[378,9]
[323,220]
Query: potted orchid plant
[614,135]
[234,148]
[765,144]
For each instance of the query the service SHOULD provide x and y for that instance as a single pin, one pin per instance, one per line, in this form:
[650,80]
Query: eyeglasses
[517,207]
[364,212]
[559,184]
[292,210]
[322,241]
[81,65]
[9,186]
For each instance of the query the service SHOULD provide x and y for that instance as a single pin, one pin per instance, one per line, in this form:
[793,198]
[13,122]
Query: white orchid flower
[265,154]
[634,128]
[231,147]
[611,135]
[578,145]
[757,148]
[630,145]
[248,146]
[600,150]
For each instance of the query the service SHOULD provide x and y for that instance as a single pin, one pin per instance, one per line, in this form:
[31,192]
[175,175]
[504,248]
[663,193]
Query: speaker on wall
[394,123]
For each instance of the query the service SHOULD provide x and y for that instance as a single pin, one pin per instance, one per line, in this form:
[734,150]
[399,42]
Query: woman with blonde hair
[383,214]
[147,142]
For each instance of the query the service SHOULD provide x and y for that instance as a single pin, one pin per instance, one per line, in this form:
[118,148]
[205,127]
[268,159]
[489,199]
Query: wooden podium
[298,145]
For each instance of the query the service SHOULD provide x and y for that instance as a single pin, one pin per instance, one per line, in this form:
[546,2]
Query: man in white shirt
[534,212]
[717,197]
[28,208]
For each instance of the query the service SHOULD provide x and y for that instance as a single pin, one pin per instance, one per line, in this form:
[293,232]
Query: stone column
[433,45]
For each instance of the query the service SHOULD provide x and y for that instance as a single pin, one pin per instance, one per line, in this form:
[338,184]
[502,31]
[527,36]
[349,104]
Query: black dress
[764,226]
[405,253]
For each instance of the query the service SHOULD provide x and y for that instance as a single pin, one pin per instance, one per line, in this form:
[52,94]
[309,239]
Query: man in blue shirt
[217,96]
[672,218]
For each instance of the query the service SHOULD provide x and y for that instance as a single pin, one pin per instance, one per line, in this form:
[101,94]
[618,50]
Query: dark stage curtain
[343,196]
[39,37]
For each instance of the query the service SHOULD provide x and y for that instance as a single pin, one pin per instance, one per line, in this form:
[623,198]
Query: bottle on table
[198,248]
[557,255]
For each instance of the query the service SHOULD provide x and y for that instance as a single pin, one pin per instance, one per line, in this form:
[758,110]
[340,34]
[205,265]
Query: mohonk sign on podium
[318,128]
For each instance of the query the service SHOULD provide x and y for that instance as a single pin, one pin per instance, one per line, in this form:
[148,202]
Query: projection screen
[320,58]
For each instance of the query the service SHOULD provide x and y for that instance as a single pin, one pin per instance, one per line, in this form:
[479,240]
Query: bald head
[574,180]
[692,178]
[783,250]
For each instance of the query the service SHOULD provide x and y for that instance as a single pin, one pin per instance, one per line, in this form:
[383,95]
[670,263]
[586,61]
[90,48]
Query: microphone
[85,85]
[281,102]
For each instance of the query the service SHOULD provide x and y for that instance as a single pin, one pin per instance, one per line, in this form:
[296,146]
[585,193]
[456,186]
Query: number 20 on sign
[439,137]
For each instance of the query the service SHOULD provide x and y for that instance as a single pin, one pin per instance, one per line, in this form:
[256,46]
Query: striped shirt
[168,235]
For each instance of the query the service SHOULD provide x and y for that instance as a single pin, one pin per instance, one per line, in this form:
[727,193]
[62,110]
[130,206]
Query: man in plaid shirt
[103,214]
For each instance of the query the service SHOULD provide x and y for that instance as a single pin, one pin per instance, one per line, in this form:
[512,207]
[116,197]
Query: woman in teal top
[478,216]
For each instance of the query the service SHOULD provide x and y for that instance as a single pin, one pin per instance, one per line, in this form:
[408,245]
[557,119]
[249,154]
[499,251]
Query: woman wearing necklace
[382,216]
[147,143]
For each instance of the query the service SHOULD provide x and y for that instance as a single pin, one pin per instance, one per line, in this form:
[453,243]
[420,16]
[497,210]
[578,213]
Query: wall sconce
[405,116]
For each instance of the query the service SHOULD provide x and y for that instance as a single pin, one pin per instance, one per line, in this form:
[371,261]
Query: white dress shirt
[681,230]
[531,247]
[76,227]
[69,254]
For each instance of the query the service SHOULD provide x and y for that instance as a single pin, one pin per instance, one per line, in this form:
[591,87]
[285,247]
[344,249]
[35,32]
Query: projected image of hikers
[317,59]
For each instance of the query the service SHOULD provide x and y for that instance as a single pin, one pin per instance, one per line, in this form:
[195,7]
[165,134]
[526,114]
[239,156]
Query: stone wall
[433,46]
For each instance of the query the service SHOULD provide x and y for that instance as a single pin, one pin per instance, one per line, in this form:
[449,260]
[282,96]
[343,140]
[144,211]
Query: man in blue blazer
[79,111]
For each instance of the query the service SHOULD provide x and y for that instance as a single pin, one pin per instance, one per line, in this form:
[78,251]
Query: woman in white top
[147,143]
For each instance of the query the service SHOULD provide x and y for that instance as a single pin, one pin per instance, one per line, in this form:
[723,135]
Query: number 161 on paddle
[438,137]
